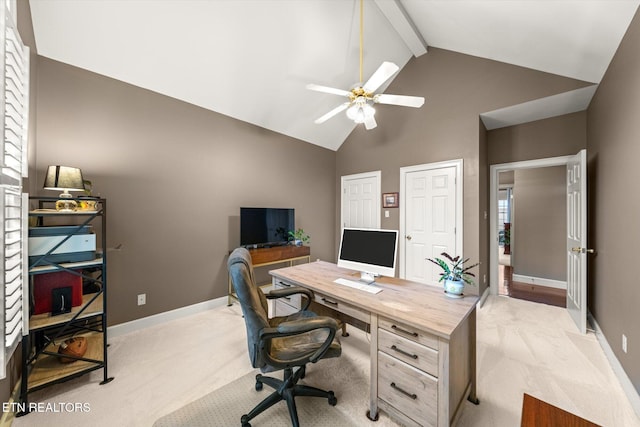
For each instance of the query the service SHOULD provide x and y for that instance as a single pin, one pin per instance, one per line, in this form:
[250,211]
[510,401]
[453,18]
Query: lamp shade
[63,178]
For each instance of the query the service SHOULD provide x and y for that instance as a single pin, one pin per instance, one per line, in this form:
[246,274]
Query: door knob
[408,237]
[582,250]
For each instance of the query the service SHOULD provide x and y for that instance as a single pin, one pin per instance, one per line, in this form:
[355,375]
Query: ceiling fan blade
[332,113]
[406,101]
[370,123]
[327,89]
[382,74]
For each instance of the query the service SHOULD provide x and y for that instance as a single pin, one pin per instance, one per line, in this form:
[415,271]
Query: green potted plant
[506,238]
[299,237]
[454,273]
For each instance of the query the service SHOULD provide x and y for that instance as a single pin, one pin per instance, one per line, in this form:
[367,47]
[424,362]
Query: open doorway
[505,219]
[532,226]
[528,230]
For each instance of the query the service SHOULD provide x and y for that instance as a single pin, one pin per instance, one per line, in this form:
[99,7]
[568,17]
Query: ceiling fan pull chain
[361,36]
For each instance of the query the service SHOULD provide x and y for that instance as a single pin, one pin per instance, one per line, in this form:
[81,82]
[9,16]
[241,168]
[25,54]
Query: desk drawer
[283,309]
[409,332]
[416,355]
[342,307]
[409,390]
[295,300]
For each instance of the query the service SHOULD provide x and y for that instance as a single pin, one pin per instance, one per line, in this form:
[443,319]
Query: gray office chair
[281,343]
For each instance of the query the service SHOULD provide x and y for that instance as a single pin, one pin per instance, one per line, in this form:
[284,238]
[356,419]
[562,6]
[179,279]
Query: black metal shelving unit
[41,366]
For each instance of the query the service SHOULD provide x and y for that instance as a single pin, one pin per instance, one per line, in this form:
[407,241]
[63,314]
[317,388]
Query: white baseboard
[625,382]
[558,284]
[157,319]
[483,297]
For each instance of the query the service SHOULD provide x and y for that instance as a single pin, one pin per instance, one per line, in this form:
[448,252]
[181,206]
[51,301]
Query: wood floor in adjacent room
[528,291]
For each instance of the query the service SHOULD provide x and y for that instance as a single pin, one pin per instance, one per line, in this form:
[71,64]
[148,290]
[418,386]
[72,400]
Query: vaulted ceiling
[251,59]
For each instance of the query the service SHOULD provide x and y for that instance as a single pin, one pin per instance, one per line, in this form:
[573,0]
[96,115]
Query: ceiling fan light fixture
[360,111]
[362,96]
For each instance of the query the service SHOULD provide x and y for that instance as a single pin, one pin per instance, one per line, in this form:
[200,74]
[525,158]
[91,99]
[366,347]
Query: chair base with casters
[286,389]
[286,343]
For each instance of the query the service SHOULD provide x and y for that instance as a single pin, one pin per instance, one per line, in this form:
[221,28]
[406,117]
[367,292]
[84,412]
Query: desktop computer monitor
[371,251]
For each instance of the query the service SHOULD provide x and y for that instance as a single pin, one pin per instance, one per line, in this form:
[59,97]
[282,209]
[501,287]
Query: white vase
[453,288]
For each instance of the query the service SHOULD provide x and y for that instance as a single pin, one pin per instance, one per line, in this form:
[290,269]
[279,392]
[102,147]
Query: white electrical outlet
[142,299]
[624,343]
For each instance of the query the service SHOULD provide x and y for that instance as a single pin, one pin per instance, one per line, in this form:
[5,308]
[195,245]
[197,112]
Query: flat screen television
[371,251]
[262,227]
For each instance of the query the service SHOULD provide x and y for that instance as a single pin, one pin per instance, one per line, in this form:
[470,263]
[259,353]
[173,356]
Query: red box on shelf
[44,283]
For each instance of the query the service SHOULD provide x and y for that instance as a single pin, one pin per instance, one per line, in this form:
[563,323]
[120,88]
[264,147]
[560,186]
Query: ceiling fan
[362,96]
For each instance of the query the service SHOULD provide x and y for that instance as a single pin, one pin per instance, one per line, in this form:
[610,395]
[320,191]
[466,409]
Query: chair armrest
[306,325]
[285,292]
[301,326]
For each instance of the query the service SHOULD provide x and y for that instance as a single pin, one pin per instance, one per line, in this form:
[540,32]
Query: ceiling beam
[403,24]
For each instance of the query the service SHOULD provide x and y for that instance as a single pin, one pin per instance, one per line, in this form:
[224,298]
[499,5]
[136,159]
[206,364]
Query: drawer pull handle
[411,395]
[287,298]
[284,284]
[330,302]
[404,331]
[413,356]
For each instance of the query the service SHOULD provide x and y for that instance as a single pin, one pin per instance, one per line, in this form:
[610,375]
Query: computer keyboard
[358,285]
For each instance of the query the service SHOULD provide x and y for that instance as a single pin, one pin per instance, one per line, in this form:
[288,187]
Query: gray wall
[558,136]
[175,176]
[482,220]
[506,178]
[123,137]
[539,227]
[457,89]
[613,149]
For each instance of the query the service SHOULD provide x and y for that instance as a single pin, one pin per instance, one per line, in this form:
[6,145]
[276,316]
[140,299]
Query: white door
[361,200]
[577,239]
[430,221]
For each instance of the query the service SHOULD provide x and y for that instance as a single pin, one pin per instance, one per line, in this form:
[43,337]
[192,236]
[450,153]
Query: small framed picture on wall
[389,200]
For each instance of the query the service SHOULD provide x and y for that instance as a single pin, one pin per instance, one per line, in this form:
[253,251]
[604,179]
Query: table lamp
[65,179]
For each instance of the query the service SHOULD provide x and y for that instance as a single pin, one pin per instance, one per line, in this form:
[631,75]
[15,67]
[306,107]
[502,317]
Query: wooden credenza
[422,354]
[261,257]
[277,254]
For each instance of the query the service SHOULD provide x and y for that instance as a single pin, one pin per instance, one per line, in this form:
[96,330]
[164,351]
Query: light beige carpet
[523,347]
[224,407]
[526,347]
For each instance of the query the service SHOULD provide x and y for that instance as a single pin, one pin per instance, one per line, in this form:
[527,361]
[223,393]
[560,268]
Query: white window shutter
[14,107]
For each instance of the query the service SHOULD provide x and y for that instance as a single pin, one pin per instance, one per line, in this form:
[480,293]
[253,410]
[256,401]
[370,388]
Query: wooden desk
[537,413]
[423,361]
